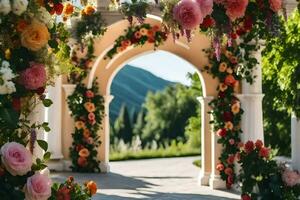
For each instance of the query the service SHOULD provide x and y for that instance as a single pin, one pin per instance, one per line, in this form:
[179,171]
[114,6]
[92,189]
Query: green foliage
[122,126]
[282,65]
[136,8]
[168,113]
[140,123]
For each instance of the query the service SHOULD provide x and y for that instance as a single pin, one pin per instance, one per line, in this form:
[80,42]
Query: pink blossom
[34,77]
[236,8]
[291,178]
[231,142]
[275,5]
[188,14]
[264,152]
[16,159]
[91,116]
[89,94]
[38,187]
[206,7]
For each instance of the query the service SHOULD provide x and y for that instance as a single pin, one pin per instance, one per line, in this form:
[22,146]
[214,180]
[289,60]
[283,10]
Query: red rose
[230,180]
[230,159]
[248,23]
[82,162]
[16,104]
[227,116]
[40,90]
[220,167]
[249,146]
[89,94]
[264,152]
[233,36]
[240,32]
[228,171]
[246,197]
[207,22]
[58,8]
[221,132]
[63,193]
[259,144]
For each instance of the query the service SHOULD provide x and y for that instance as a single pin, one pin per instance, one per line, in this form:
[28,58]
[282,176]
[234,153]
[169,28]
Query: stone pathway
[163,179]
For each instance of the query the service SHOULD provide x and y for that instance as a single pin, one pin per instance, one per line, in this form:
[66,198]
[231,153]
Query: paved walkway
[163,179]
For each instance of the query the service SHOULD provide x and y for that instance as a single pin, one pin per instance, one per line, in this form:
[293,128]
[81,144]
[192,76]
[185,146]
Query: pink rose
[91,116]
[38,187]
[34,77]
[89,94]
[188,14]
[291,178]
[16,159]
[206,6]
[236,8]
[275,5]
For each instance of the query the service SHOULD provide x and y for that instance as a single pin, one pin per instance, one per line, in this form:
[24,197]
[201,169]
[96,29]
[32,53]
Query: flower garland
[87,109]
[71,190]
[138,36]
[135,8]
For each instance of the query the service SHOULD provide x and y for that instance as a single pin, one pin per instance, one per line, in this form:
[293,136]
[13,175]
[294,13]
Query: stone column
[205,141]
[251,102]
[215,181]
[295,127]
[103,153]
[67,125]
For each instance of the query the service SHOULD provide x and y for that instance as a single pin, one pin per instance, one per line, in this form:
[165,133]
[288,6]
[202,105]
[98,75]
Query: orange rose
[120,49]
[235,108]
[86,133]
[79,125]
[90,107]
[92,187]
[222,67]
[68,9]
[35,36]
[228,54]
[89,10]
[125,43]
[229,70]
[228,126]
[230,80]
[150,33]
[156,28]
[84,153]
[137,35]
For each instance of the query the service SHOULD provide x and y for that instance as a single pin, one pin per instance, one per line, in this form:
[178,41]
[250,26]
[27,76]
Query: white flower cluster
[6,76]
[18,7]
[44,16]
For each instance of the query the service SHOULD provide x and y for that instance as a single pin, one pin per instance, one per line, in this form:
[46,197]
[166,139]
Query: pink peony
[91,116]
[206,6]
[236,8]
[291,178]
[16,159]
[89,94]
[34,77]
[275,5]
[188,14]
[38,187]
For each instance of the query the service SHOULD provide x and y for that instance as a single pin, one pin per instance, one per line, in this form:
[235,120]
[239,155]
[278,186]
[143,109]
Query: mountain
[130,86]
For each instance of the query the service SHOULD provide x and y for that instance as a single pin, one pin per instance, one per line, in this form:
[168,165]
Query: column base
[215,183]
[203,178]
[104,167]
[56,165]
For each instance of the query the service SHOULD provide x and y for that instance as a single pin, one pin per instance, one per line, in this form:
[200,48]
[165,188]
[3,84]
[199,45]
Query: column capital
[250,96]
[108,98]
[69,88]
[206,99]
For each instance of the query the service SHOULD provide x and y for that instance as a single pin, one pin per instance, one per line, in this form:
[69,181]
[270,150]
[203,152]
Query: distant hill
[130,86]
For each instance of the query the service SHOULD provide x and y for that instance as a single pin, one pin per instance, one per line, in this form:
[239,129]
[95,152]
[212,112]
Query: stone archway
[105,69]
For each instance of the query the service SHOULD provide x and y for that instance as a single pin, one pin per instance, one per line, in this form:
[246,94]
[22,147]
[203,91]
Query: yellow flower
[68,9]
[235,108]
[90,107]
[222,67]
[7,54]
[79,125]
[35,36]
[223,87]
[144,31]
[89,10]
[84,153]
[92,187]
[228,125]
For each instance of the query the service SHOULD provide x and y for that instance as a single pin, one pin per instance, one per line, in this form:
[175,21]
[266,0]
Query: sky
[165,65]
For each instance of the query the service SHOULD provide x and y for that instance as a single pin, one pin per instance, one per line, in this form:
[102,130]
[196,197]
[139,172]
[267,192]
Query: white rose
[19,6]
[5,7]
[7,88]
[6,73]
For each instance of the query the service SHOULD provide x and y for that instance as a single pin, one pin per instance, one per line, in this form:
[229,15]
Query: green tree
[193,128]
[168,112]
[281,83]
[122,126]
[140,123]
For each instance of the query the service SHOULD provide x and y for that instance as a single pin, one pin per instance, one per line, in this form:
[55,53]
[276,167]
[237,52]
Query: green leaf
[47,156]
[43,144]
[47,102]
[45,126]
[10,117]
